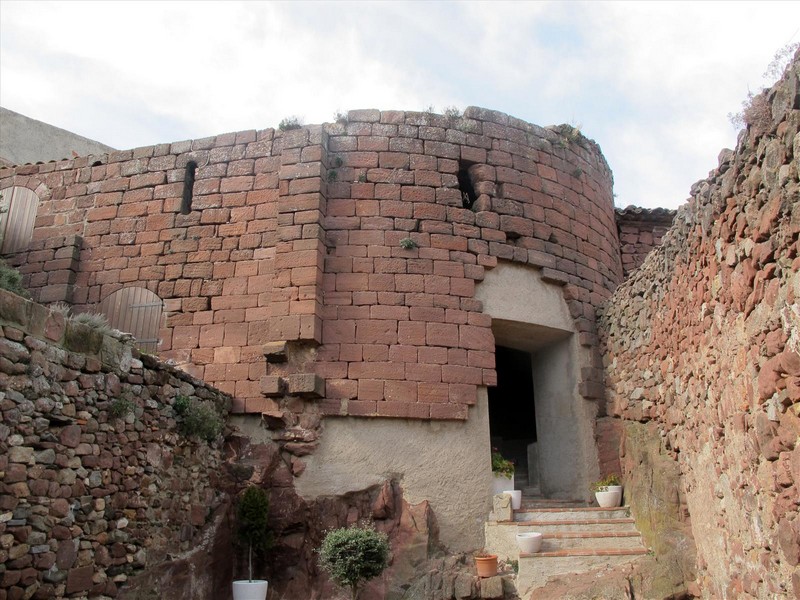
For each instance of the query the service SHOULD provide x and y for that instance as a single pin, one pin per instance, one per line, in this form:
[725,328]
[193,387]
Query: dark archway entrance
[512,413]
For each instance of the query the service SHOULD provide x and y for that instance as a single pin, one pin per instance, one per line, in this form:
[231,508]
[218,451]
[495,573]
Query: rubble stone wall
[352,249]
[96,482]
[704,341]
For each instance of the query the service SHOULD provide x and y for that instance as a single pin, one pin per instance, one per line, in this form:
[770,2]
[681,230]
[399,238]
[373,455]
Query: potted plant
[503,472]
[608,491]
[353,556]
[486,564]
[251,530]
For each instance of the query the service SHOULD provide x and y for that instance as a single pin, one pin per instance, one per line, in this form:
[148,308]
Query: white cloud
[651,82]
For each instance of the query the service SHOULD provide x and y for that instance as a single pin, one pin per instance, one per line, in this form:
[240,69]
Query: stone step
[501,538]
[600,540]
[570,514]
[535,569]
[578,525]
[576,538]
[587,552]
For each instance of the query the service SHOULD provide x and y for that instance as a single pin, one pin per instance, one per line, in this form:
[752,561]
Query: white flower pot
[529,543]
[516,498]
[250,590]
[501,483]
[609,496]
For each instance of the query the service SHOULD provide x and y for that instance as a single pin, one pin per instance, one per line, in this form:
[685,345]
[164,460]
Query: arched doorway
[138,311]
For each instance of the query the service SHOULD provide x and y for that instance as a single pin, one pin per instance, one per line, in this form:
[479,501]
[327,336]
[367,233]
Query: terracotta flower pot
[486,565]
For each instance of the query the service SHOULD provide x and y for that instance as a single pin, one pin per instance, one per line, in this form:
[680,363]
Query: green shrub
[11,280]
[453,112]
[500,465]
[120,407]
[181,404]
[198,418]
[290,123]
[354,555]
[251,523]
[605,482]
[96,321]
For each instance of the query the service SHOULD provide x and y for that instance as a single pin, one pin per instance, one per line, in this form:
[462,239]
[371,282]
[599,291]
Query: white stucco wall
[530,314]
[444,462]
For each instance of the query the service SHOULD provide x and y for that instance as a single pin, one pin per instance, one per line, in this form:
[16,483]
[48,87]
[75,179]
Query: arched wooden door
[138,311]
[17,215]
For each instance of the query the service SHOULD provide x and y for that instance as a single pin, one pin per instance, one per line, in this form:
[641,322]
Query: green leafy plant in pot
[502,473]
[354,555]
[251,529]
[608,491]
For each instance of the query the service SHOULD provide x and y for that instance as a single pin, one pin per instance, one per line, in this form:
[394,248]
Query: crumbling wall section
[704,341]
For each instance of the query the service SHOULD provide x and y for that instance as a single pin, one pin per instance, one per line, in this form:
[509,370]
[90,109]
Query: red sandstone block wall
[295,237]
[640,230]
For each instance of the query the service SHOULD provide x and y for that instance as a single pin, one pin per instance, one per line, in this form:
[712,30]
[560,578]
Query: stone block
[492,587]
[79,580]
[275,352]
[272,386]
[462,587]
[308,385]
[501,508]
[13,308]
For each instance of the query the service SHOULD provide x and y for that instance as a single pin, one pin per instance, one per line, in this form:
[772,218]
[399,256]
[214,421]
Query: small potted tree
[251,530]
[608,491]
[353,556]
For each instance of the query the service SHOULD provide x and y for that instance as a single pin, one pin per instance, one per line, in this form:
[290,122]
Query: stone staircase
[577,538]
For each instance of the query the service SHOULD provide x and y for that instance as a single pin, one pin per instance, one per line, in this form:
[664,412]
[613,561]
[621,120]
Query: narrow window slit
[188,187]
[468,195]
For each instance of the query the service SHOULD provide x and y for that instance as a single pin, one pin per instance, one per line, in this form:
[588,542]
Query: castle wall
[294,239]
[703,341]
[330,272]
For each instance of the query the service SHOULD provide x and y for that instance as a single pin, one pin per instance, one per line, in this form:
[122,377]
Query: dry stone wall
[103,495]
[331,269]
[96,482]
[704,341]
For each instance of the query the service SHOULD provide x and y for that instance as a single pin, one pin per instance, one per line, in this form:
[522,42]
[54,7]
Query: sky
[652,83]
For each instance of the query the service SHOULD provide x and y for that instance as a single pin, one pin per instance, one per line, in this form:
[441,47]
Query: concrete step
[535,569]
[528,513]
